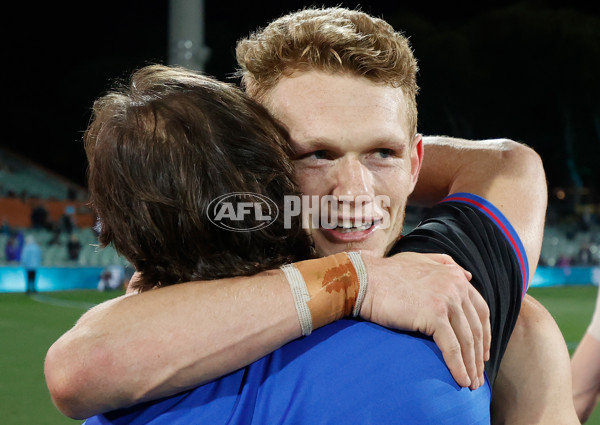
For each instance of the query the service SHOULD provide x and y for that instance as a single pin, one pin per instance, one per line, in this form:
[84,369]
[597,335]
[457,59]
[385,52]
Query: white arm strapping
[301,297]
[361,271]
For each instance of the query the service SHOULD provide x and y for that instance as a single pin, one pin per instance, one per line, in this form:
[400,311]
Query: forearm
[585,367]
[507,173]
[534,382]
[157,343]
[449,162]
[160,342]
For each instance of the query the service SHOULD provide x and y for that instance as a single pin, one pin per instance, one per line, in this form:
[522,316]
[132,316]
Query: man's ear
[416,159]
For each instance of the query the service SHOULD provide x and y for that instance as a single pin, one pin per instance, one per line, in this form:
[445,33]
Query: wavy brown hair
[333,40]
[160,149]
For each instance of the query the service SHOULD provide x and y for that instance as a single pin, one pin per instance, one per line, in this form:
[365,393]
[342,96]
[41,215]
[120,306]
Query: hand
[431,294]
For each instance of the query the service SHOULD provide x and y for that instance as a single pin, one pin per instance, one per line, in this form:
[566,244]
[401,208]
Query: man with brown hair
[353,132]
[165,145]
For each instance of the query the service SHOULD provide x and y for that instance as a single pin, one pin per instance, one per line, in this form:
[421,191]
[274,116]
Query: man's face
[351,140]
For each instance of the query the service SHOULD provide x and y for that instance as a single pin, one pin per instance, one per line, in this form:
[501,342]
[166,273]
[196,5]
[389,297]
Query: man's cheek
[308,183]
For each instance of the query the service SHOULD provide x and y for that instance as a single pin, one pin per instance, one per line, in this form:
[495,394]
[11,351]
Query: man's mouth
[350,230]
[348,226]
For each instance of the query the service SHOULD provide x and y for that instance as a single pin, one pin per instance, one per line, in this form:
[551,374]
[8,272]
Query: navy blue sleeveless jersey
[355,372]
[479,238]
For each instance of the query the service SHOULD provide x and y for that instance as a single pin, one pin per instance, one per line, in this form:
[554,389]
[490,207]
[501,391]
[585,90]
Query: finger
[483,312]
[441,258]
[468,275]
[474,320]
[463,331]
[448,260]
[447,342]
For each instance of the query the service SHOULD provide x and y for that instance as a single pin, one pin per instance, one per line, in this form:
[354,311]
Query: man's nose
[352,179]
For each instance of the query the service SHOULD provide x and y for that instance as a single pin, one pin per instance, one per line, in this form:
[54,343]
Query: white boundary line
[86,306]
[44,299]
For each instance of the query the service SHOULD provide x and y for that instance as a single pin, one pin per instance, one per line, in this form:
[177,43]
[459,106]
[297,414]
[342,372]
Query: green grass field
[29,326]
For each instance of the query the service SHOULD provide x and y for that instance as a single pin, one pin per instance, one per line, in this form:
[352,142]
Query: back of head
[160,150]
[332,40]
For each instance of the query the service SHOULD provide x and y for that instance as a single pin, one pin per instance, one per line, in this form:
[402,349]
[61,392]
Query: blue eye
[385,153]
[321,154]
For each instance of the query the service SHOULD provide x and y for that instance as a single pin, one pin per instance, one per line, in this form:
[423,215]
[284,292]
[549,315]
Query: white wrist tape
[361,271]
[301,297]
[327,289]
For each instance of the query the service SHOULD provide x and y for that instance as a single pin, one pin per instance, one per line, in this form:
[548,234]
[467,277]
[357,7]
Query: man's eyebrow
[312,144]
[309,145]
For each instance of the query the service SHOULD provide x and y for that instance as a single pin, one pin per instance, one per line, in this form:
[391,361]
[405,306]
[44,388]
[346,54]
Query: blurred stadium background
[526,70]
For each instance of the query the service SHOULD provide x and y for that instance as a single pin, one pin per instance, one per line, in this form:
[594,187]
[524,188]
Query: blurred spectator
[563,261]
[586,221]
[73,247]
[56,231]
[584,256]
[5,230]
[71,194]
[67,221]
[12,249]
[111,278]
[31,260]
[20,241]
[39,217]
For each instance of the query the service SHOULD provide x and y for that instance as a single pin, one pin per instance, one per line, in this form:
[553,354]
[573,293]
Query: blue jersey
[348,372]
[354,372]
